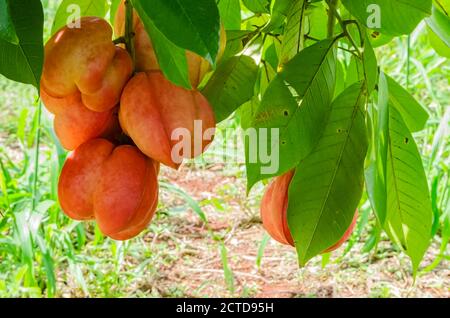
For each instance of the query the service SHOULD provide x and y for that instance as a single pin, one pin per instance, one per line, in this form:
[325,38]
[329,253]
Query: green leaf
[48,265]
[271,53]
[231,85]
[246,112]
[370,66]
[354,72]
[294,32]
[230,13]
[297,103]
[171,59]
[23,62]
[234,43]
[395,17]
[257,6]
[227,272]
[438,45]
[261,248]
[113,10]
[317,18]
[340,78]
[375,174]
[70,10]
[413,113]
[7,30]
[378,39]
[279,12]
[409,214]
[191,25]
[440,24]
[328,184]
[266,73]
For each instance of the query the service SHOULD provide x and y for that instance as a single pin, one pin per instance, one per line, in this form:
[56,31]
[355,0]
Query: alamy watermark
[74,19]
[230,147]
[374,18]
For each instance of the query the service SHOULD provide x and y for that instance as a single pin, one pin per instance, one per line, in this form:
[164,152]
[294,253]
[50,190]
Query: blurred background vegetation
[206,239]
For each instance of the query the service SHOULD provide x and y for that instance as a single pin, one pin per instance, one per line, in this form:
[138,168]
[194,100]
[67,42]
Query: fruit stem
[129,32]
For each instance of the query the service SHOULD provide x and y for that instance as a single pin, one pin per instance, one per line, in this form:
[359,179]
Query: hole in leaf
[286,113]
[406,140]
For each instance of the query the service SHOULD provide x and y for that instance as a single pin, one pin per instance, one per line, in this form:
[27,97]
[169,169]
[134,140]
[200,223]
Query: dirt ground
[198,268]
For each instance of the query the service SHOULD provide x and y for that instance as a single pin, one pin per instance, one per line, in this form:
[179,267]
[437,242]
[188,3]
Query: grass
[206,239]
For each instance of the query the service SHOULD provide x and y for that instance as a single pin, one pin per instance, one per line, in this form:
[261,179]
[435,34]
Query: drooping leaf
[440,24]
[412,112]
[355,71]
[231,85]
[230,13]
[271,53]
[191,25]
[375,174]
[438,45]
[7,30]
[247,111]
[395,17]
[409,214]
[296,103]
[171,59]
[22,62]
[370,66]
[235,43]
[340,78]
[317,18]
[378,39]
[68,11]
[328,183]
[267,73]
[254,48]
[280,10]
[257,6]
[293,39]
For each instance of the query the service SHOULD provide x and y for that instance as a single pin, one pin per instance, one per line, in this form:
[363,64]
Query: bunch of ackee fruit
[117,115]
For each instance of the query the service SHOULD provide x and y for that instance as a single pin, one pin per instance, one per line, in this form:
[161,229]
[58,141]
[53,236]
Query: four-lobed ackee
[115,185]
[157,115]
